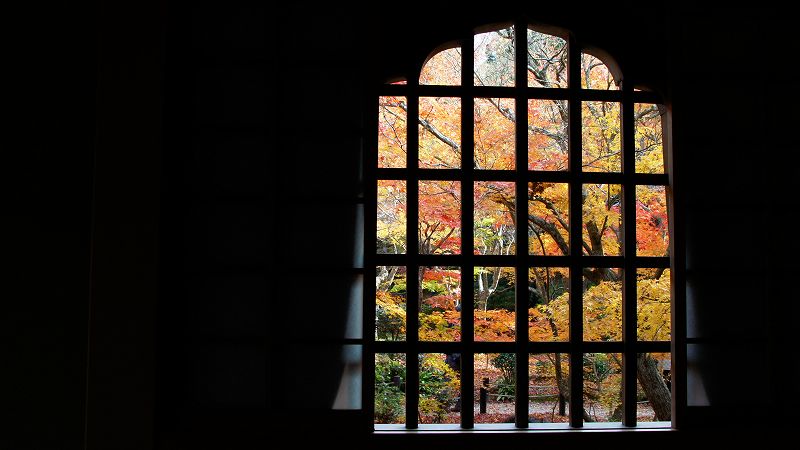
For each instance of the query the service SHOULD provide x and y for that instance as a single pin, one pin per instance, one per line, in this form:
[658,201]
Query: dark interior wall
[260,148]
[46,153]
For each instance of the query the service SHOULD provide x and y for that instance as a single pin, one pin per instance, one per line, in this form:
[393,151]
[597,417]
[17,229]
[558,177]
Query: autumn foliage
[493,219]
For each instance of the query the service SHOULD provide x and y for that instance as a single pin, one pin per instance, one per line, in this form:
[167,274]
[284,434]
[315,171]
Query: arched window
[521,246]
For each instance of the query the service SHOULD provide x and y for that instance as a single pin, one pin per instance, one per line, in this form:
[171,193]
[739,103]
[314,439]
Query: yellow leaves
[648,139]
[602,312]
[439,326]
[654,306]
[601,137]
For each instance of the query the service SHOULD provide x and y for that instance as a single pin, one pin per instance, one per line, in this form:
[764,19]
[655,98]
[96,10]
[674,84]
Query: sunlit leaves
[439,132]
[652,223]
[548,217]
[391,216]
[494,133]
[392,124]
[649,140]
[653,305]
[493,54]
[443,68]
[547,60]
[595,74]
[601,137]
[548,143]
[602,306]
[602,219]
[548,315]
[439,226]
[494,228]
[440,300]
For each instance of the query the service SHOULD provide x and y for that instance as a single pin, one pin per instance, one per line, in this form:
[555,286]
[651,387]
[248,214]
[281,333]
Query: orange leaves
[547,135]
[392,124]
[494,133]
[439,217]
[652,225]
[494,325]
[443,68]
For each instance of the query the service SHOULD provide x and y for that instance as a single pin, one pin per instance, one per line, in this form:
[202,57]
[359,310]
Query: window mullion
[575,237]
[521,269]
[629,252]
[467,243]
[412,252]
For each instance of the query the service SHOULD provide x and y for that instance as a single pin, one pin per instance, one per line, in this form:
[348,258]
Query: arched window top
[596,74]
[494,62]
[442,68]
[493,57]
[547,60]
[519,205]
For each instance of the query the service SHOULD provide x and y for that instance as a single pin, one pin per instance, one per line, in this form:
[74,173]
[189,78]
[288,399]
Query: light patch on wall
[348,396]
[696,394]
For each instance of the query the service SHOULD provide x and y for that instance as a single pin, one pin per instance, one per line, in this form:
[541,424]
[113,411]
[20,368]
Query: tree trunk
[562,399]
[654,387]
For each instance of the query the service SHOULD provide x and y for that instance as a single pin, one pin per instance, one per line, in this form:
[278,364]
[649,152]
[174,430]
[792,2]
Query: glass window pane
[649,139]
[440,305]
[443,68]
[654,384]
[548,140]
[495,387]
[439,226]
[602,386]
[595,74]
[390,303]
[439,388]
[392,138]
[391,226]
[439,132]
[602,304]
[548,218]
[601,137]
[494,58]
[494,133]
[548,388]
[652,221]
[602,219]
[494,229]
[547,60]
[548,313]
[654,305]
[390,388]
[494,294]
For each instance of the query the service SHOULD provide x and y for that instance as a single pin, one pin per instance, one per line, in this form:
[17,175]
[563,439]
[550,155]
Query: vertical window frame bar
[412,251]
[575,234]
[467,231]
[521,255]
[629,297]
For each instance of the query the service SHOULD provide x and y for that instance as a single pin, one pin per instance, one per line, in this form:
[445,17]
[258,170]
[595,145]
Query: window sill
[510,428]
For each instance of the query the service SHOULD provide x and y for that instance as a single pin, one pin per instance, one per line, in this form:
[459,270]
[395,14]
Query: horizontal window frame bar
[419,174]
[611,262]
[528,347]
[511,92]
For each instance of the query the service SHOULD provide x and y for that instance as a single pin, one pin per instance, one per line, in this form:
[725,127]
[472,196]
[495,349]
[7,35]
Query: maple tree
[548,216]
